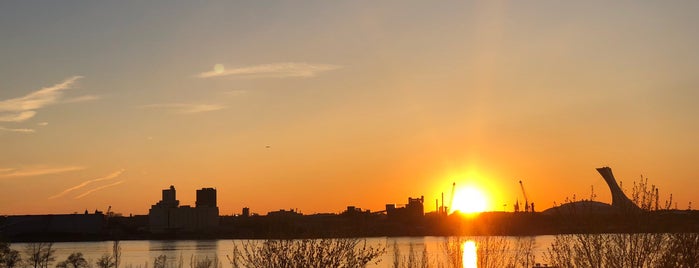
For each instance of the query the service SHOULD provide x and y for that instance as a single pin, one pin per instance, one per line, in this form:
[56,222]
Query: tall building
[168,216]
[170,197]
[206,197]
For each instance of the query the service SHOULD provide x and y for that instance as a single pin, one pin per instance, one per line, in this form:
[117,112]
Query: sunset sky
[317,105]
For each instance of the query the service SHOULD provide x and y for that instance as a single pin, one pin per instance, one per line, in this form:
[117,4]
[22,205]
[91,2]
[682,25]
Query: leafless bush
[414,259]
[577,250]
[111,260]
[453,248]
[522,255]
[74,260]
[160,261]
[338,252]
[106,261]
[197,262]
[116,253]
[9,258]
[41,254]
[682,250]
[491,251]
[638,248]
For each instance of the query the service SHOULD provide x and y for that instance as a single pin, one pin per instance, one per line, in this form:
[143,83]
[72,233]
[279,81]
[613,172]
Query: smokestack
[442,208]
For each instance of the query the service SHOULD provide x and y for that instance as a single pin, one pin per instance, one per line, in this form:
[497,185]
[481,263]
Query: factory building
[168,216]
[413,210]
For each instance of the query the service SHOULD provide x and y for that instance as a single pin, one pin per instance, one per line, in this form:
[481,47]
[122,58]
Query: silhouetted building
[167,216]
[415,206]
[246,212]
[170,197]
[50,226]
[206,197]
[413,210]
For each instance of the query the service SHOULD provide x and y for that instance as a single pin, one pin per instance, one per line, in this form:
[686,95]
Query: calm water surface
[140,254]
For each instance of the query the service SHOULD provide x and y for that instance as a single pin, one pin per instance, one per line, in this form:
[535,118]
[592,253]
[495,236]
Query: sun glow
[470,256]
[469,200]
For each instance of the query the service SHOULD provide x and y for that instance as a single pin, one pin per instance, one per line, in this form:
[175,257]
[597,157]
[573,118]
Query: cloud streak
[18,130]
[83,98]
[113,175]
[37,171]
[274,70]
[23,108]
[97,189]
[186,108]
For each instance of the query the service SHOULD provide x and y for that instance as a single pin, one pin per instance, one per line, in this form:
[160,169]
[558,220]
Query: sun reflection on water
[470,258]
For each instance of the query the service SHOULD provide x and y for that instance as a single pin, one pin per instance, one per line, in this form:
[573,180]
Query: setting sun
[469,200]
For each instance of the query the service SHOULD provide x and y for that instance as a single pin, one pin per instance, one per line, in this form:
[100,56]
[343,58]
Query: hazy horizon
[317,105]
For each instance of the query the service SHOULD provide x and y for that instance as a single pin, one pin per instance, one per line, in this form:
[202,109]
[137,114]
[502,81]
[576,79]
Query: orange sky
[320,105]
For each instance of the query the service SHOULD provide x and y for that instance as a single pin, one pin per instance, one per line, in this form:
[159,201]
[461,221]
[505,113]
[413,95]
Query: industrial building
[413,210]
[75,226]
[168,216]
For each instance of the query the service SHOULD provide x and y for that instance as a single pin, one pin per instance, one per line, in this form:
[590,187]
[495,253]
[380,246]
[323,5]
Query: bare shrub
[41,254]
[577,250]
[106,261]
[634,250]
[111,260]
[414,259]
[9,258]
[682,250]
[74,260]
[453,248]
[638,248]
[336,252]
[522,255]
[116,253]
[197,262]
[160,261]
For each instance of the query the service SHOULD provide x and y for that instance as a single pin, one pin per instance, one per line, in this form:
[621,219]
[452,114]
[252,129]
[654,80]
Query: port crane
[526,200]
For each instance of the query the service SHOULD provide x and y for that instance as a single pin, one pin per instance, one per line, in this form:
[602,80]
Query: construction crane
[526,200]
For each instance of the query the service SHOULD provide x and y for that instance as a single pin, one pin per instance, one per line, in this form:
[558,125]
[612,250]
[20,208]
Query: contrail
[85,183]
[97,189]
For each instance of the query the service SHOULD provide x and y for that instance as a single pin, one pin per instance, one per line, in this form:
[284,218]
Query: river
[141,253]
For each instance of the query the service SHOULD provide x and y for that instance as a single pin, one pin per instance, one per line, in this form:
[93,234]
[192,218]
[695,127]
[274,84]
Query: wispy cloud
[43,124]
[37,171]
[113,175]
[17,117]
[82,99]
[186,108]
[97,189]
[18,130]
[276,70]
[236,92]
[23,108]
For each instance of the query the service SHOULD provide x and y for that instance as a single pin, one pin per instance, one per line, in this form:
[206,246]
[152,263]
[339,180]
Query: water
[141,253]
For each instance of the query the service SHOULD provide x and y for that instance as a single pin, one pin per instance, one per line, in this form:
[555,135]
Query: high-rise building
[206,197]
[170,197]
[167,215]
